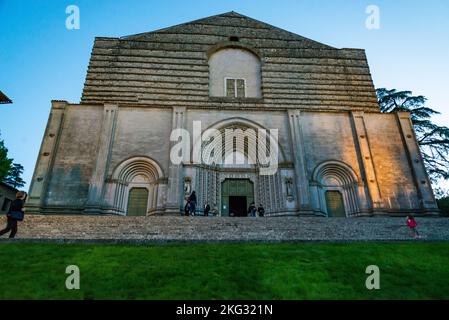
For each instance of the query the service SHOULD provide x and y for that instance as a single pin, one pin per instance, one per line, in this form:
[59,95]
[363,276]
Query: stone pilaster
[366,161]
[301,179]
[420,177]
[175,170]
[97,182]
[47,153]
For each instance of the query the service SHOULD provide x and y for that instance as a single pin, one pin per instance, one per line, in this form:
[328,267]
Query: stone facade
[7,196]
[333,140]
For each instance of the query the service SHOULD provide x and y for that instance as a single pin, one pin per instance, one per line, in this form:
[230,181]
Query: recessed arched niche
[234,73]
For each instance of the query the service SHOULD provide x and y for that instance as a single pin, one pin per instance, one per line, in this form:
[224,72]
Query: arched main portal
[247,138]
[235,160]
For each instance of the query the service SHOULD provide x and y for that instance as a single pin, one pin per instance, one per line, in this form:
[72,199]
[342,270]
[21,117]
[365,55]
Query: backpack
[17,213]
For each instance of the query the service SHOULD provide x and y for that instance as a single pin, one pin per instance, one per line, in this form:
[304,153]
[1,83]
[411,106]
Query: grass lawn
[225,271]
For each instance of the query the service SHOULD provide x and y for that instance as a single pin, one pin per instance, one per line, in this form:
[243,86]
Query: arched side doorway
[136,184]
[236,196]
[336,184]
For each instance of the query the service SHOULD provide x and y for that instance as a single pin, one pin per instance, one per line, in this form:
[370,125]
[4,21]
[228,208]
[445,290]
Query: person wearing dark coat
[261,210]
[206,210]
[16,206]
[252,210]
[187,208]
[192,199]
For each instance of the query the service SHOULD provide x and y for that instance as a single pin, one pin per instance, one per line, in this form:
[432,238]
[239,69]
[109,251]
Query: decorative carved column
[42,173]
[106,140]
[301,180]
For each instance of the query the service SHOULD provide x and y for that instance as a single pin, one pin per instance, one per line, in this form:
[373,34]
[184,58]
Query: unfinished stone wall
[169,67]
[142,132]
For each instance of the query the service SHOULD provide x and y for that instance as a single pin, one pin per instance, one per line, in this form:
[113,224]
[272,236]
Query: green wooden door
[335,204]
[137,202]
[235,188]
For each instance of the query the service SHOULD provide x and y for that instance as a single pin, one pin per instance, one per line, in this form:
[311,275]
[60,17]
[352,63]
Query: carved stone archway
[136,172]
[336,176]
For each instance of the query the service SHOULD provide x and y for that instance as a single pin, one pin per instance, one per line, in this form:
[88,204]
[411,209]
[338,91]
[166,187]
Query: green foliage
[443,204]
[432,139]
[10,173]
[225,271]
[5,162]
[14,177]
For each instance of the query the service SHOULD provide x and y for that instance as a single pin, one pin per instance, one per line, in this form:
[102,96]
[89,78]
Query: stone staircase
[215,229]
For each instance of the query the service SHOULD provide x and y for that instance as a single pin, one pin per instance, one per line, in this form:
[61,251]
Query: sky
[41,60]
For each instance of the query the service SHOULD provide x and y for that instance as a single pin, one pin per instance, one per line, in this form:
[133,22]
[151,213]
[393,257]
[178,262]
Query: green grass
[225,271]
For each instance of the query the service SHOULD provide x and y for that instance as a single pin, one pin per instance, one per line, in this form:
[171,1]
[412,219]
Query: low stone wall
[216,229]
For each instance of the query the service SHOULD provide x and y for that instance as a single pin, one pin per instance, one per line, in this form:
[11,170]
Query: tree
[443,204]
[432,139]
[5,162]
[14,178]
[10,173]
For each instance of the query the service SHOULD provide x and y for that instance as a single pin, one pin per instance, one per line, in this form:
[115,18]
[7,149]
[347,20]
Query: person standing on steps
[261,210]
[206,209]
[15,214]
[187,208]
[192,199]
[252,209]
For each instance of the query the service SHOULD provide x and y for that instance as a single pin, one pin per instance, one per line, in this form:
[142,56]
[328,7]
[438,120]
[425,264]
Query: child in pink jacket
[411,223]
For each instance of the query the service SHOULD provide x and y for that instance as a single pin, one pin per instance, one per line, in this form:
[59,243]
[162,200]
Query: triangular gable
[230,20]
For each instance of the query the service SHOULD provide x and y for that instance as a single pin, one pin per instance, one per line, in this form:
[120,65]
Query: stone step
[160,229]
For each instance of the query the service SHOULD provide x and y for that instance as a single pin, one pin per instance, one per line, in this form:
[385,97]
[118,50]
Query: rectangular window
[230,88]
[240,88]
[235,88]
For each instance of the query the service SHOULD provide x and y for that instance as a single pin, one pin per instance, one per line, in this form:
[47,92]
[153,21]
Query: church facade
[336,153]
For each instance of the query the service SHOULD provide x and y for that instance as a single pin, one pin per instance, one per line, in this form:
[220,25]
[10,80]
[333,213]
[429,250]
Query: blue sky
[41,60]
